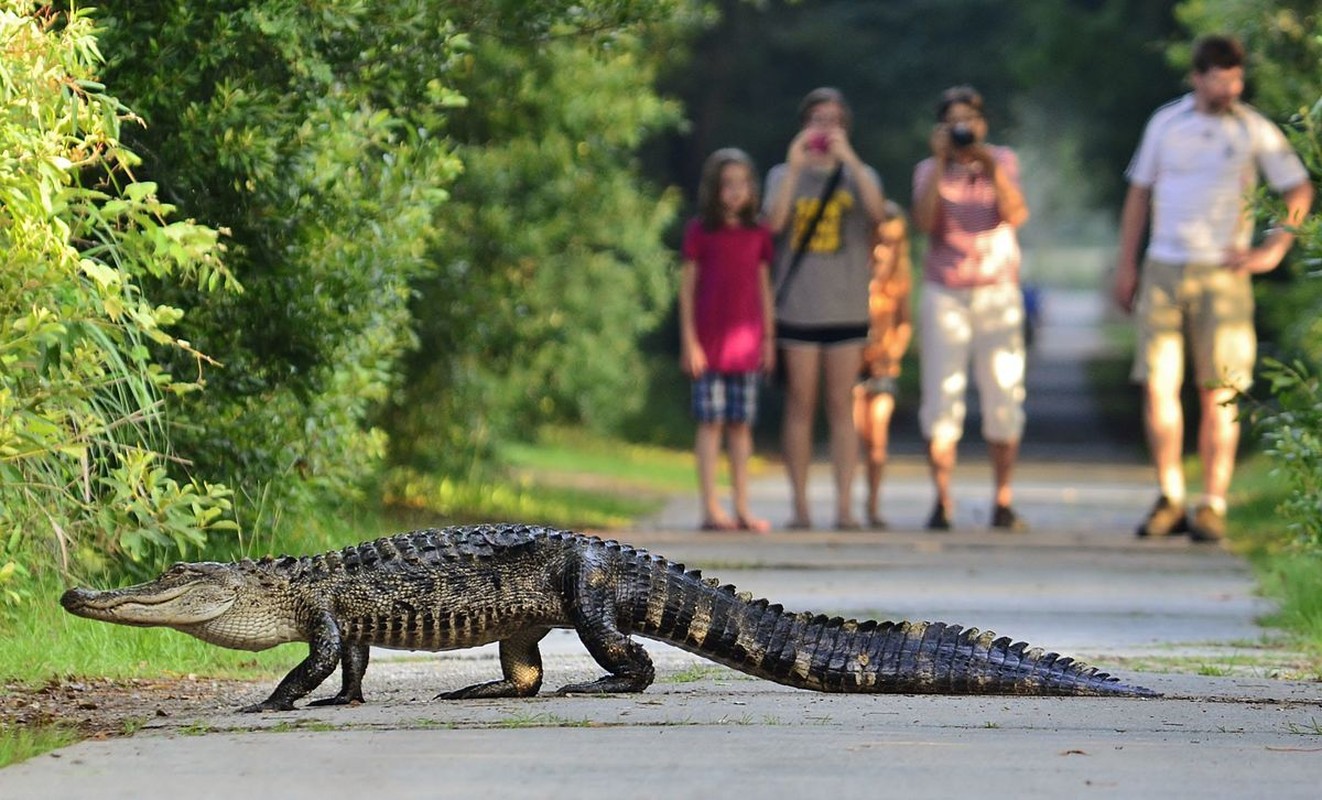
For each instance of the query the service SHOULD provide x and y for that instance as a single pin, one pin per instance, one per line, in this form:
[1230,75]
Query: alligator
[468,586]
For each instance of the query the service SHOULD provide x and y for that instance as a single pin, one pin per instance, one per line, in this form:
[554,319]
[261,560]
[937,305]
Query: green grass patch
[1286,574]
[19,743]
[562,454]
[567,478]
[416,499]
[543,720]
[695,673]
[1262,661]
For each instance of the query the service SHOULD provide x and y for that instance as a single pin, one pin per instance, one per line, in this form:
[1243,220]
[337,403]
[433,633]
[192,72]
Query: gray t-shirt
[830,286]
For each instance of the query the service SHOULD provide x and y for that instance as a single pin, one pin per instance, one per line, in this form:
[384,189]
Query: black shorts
[821,335]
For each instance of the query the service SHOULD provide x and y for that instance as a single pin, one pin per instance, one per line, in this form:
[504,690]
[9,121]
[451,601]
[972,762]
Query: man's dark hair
[1217,52]
[958,95]
[825,94]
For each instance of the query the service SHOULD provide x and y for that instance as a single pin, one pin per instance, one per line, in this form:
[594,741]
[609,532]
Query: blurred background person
[968,201]
[822,303]
[890,330]
[1193,175]
[726,328]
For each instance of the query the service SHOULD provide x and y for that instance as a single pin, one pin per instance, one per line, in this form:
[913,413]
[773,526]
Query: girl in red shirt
[726,323]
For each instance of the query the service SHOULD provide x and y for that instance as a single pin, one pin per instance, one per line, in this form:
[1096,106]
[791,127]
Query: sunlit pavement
[1178,618]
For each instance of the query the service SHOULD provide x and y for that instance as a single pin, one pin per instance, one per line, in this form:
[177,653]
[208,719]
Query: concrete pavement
[1156,613]
[1179,619]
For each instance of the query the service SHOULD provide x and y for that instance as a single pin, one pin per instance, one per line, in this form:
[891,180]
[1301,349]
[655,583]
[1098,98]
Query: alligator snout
[73,598]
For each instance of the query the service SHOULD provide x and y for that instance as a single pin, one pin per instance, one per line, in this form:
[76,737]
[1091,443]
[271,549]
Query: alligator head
[232,605]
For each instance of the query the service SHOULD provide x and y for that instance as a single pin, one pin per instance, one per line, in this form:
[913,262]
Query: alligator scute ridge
[442,589]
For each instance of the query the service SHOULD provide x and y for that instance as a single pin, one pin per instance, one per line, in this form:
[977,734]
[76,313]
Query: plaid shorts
[726,397]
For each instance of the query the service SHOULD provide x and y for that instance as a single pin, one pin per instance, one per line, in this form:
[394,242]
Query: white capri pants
[985,326]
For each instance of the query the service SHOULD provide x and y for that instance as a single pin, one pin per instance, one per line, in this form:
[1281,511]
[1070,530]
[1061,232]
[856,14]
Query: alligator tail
[837,655]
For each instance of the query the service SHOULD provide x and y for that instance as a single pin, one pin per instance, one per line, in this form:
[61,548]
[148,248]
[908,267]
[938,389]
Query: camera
[962,135]
[819,142]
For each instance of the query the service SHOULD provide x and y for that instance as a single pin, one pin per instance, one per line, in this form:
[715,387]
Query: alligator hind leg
[521,664]
[353,663]
[594,616]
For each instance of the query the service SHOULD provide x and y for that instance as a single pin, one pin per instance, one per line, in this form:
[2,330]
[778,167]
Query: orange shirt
[888,308]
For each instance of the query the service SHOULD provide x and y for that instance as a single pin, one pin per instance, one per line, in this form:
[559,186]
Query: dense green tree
[552,265]
[325,140]
[1097,69]
[309,135]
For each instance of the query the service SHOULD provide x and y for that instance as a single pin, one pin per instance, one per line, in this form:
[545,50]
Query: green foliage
[325,140]
[83,442]
[746,75]
[312,135]
[551,266]
[1096,71]
[1292,436]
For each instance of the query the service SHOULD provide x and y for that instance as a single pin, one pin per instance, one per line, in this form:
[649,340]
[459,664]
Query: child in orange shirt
[889,332]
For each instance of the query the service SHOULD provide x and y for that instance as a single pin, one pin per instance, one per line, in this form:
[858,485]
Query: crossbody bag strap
[802,246]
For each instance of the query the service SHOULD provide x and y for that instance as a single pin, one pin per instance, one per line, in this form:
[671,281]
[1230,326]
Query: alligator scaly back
[468,586]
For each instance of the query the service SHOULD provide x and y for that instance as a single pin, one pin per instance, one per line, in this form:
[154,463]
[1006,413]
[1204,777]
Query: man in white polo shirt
[1192,177]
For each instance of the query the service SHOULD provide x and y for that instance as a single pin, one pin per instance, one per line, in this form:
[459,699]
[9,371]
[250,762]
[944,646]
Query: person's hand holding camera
[818,141]
[958,139]
[806,144]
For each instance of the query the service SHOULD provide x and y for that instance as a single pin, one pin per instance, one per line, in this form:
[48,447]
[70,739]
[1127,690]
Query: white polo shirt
[1202,169]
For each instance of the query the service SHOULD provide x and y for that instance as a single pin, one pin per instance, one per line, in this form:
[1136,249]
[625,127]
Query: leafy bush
[83,441]
[312,133]
[552,265]
[1292,437]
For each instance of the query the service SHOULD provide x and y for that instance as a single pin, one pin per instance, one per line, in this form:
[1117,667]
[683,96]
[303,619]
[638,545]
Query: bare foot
[748,522]
[718,524]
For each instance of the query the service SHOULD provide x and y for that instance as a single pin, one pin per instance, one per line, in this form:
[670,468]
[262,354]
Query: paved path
[1079,583]
[1179,619]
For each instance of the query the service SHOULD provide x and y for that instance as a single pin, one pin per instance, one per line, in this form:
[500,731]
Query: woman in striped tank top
[968,201]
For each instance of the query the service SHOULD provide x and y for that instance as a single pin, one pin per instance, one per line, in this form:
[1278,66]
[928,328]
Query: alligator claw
[494,689]
[337,700]
[267,705]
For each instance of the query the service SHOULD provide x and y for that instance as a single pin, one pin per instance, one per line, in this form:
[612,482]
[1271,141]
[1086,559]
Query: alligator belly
[429,630]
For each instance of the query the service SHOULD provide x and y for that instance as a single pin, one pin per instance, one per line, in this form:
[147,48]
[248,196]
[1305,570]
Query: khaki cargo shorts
[1206,305]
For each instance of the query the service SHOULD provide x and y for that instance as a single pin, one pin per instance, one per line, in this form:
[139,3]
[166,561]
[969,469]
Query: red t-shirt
[727,297]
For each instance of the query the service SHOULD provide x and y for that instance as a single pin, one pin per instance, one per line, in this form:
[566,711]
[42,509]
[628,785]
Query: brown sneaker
[1207,525]
[1165,519]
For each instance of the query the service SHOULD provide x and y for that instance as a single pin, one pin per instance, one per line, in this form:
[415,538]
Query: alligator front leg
[521,664]
[353,663]
[323,656]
